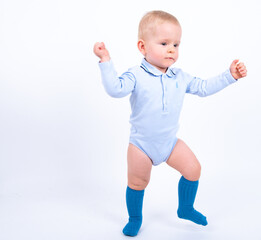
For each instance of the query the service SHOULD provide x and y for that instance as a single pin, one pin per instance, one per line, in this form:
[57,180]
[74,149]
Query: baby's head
[152,19]
[159,39]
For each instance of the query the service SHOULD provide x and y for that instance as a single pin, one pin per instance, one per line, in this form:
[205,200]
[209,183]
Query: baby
[157,91]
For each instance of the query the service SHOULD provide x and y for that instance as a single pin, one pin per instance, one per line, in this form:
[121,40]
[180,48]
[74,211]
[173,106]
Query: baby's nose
[171,49]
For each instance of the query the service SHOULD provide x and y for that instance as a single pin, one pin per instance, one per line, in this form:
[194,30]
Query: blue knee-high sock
[187,194]
[134,200]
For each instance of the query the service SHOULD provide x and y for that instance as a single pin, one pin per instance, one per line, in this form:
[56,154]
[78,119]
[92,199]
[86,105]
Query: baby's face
[161,46]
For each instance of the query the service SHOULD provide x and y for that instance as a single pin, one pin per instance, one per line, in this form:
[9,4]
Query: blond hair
[150,19]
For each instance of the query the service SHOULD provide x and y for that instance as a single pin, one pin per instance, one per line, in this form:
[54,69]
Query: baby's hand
[238,70]
[101,52]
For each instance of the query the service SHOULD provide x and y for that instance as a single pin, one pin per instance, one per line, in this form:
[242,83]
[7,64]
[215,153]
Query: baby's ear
[141,46]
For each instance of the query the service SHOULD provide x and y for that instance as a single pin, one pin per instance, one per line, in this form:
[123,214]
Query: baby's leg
[139,169]
[184,160]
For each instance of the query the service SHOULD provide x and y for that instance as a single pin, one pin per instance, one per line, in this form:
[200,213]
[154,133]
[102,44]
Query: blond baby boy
[157,90]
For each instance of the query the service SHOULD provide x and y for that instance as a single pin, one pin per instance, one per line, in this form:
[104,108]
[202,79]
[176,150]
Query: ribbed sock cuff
[135,191]
[184,180]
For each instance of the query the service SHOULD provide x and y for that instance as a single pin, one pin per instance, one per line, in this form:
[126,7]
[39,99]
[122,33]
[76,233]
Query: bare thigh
[139,168]
[184,160]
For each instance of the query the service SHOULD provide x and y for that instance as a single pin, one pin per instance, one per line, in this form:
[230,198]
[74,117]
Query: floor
[232,211]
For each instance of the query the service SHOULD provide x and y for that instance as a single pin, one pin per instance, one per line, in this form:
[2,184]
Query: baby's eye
[176,45]
[163,44]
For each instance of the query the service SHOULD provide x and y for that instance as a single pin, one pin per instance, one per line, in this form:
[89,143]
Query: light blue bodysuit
[156,101]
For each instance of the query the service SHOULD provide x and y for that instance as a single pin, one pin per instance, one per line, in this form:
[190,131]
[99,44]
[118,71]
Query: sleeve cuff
[229,76]
[105,65]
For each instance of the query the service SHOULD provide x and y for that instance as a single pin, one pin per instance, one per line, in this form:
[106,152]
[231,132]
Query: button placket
[164,93]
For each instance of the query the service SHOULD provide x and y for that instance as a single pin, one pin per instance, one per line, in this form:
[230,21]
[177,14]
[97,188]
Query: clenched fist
[100,51]
[238,70]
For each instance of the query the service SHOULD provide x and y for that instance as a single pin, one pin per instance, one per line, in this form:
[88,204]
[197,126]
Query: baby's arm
[115,86]
[212,85]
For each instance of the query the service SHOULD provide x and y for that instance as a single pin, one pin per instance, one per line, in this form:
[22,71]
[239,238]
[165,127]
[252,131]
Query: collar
[154,71]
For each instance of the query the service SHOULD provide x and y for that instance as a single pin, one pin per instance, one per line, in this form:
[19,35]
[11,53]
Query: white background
[63,141]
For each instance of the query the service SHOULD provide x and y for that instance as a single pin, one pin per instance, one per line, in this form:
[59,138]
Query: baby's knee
[138,183]
[193,172]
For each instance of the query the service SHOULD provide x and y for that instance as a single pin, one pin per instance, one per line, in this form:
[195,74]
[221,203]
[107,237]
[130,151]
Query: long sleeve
[116,86]
[210,86]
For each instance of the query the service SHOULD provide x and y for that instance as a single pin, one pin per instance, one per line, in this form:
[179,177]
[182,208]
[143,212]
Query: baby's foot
[133,226]
[192,215]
